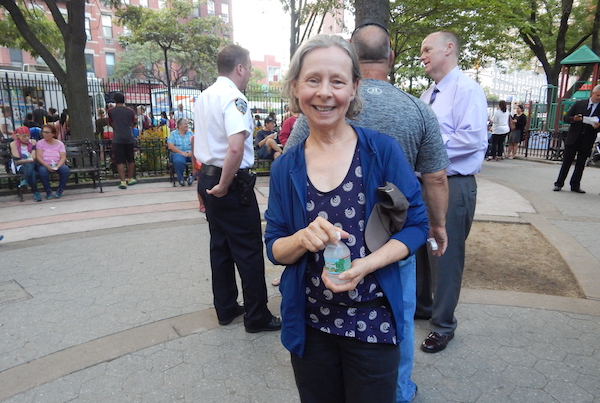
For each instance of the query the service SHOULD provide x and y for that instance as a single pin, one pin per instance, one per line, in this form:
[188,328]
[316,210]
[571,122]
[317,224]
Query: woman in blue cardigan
[342,338]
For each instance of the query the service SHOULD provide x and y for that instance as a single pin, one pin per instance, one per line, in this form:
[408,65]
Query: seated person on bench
[179,142]
[51,156]
[22,150]
[265,143]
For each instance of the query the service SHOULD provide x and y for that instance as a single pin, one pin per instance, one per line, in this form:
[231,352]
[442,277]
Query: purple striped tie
[433,95]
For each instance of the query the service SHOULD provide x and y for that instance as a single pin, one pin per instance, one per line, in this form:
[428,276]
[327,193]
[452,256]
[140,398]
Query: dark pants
[337,369]
[582,149]
[424,281]
[498,145]
[446,271]
[235,241]
[63,177]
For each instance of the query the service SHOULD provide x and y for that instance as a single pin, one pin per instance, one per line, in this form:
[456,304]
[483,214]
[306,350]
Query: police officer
[223,143]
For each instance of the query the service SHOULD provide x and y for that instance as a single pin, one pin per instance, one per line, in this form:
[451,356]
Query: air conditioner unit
[109,41]
[36,68]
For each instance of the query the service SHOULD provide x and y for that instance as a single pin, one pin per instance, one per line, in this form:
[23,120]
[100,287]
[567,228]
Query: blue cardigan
[382,160]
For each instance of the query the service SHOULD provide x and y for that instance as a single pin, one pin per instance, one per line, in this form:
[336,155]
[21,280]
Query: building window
[161,4]
[88,29]
[110,64]
[144,3]
[273,74]
[89,62]
[210,6]
[107,31]
[225,12]
[16,57]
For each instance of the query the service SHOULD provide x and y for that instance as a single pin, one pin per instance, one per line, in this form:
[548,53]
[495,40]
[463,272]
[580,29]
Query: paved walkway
[107,298]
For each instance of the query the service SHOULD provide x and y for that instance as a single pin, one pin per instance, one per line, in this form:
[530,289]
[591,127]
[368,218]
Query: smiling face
[324,87]
[435,53]
[183,125]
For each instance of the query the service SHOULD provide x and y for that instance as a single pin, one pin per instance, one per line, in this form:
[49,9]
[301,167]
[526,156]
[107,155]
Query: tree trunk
[75,86]
[293,28]
[372,10]
[168,77]
[73,79]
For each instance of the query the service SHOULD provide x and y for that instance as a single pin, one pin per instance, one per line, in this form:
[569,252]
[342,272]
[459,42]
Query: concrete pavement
[107,298]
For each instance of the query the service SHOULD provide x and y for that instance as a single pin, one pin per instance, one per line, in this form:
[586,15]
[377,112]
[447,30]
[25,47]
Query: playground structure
[545,131]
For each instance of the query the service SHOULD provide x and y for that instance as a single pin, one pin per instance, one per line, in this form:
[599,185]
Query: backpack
[107,132]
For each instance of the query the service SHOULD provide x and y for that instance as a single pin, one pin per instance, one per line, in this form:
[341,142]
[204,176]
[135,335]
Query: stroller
[595,155]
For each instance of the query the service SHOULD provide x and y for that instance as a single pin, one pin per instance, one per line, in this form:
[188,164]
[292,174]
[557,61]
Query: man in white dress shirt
[461,108]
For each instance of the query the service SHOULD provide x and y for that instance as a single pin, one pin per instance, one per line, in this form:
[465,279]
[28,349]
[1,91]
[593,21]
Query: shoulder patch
[241,105]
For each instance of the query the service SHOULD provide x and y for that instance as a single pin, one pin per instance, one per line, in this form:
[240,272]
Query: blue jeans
[407,388]
[179,162]
[28,171]
[63,175]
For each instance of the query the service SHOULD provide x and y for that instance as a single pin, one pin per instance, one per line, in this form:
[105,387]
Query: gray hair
[318,42]
[596,88]
[182,121]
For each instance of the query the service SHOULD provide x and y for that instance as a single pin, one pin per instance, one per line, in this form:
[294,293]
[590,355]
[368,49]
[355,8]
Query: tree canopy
[170,35]
[62,52]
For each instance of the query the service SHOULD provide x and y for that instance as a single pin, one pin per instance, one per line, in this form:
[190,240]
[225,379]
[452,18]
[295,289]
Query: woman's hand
[359,269]
[392,251]
[312,238]
[318,233]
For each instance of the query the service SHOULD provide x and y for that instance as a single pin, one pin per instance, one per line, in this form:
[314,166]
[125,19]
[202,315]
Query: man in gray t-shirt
[414,125]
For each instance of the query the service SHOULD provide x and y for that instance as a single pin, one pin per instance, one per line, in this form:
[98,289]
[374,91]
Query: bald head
[372,44]
[439,54]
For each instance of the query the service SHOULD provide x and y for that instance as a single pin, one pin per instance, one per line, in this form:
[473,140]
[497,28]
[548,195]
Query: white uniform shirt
[221,111]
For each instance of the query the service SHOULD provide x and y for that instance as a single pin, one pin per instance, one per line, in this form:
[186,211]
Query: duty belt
[211,170]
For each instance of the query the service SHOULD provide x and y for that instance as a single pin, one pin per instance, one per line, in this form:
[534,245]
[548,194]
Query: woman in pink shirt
[51,156]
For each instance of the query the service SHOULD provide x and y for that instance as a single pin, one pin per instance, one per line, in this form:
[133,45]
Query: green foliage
[307,18]
[41,26]
[192,43]
[257,75]
[484,35]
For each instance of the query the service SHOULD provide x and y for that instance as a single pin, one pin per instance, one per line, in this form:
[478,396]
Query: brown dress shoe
[436,342]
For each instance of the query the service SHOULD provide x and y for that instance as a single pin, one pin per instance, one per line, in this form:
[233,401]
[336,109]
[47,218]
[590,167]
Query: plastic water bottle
[53,164]
[337,260]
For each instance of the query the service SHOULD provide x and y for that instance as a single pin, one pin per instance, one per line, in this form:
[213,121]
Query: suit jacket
[578,129]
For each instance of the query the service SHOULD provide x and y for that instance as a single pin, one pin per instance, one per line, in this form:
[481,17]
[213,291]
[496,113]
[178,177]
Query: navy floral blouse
[361,313]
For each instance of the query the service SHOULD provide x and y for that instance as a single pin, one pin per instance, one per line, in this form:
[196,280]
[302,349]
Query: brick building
[271,68]
[102,49]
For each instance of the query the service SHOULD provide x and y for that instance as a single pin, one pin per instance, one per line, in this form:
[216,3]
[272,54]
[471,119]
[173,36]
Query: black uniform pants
[235,241]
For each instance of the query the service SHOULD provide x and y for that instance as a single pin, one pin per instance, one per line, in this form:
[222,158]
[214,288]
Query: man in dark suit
[580,138]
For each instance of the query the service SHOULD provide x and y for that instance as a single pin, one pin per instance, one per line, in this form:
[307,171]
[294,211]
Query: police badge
[241,105]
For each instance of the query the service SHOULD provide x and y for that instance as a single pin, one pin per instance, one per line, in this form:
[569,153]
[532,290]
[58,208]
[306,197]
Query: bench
[12,179]
[82,160]
[171,168]
[262,167]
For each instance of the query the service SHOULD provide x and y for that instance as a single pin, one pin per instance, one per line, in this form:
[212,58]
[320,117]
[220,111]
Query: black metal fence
[21,91]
